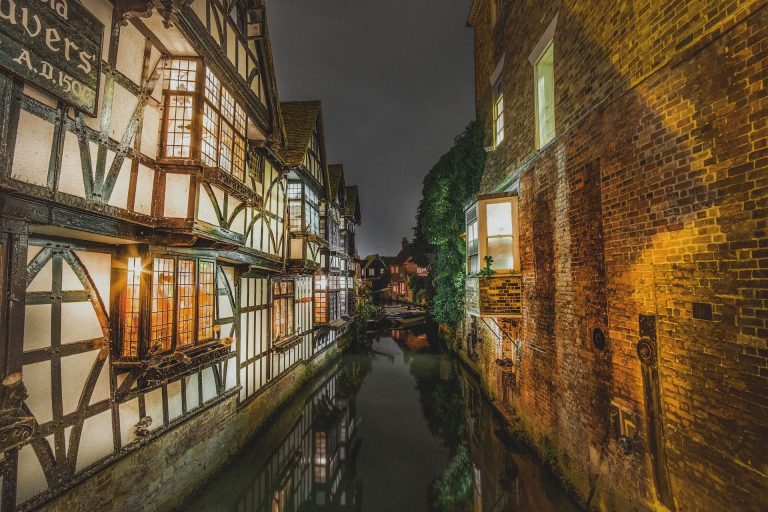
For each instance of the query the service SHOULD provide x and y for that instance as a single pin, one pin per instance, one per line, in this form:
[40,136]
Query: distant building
[375,273]
[402,269]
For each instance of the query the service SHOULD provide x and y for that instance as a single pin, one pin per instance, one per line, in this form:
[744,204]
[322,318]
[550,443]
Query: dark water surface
[401,427]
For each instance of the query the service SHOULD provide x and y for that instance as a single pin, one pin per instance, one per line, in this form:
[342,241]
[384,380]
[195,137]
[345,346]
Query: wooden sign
[55,45]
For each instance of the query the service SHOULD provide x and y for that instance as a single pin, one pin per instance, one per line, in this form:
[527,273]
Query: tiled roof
[352,204]
[299,120]
[335,176]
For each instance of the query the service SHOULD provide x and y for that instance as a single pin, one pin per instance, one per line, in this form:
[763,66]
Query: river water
[400,426]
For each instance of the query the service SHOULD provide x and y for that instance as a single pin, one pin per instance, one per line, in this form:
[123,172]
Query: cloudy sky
[396,82]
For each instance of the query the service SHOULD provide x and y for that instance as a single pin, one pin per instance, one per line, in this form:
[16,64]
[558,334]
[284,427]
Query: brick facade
[650,204]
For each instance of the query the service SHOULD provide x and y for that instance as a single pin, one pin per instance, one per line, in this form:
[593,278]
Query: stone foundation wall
[163,474]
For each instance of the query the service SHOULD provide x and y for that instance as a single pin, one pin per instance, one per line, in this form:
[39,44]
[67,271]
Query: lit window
[181,301]
[321,457]
[282,309]
[205,300]
[221,127]
[162,304]
[185,323]
[306,220]
[499,238]
[321,299]
[498,113]
[473,258]
[545,96]
[492,232]
[133,286]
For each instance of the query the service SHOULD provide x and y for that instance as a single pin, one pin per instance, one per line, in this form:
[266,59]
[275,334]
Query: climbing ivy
[446,190]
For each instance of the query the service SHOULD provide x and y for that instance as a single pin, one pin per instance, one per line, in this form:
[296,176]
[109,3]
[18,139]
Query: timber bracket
[16,427]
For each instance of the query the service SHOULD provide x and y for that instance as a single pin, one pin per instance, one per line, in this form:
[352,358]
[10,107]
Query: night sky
[397,84]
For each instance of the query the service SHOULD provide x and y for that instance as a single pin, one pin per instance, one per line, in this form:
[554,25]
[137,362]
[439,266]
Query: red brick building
[624,204]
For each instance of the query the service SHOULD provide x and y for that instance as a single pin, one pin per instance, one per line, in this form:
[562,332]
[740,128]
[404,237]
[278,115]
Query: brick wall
[653,200]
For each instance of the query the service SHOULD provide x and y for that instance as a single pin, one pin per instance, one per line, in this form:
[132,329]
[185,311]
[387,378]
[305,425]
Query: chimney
[405,242]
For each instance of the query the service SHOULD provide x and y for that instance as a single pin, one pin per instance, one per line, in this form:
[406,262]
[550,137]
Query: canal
[400,426]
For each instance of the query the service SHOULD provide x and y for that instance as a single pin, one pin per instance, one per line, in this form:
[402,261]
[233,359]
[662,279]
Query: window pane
[227,106]
[212,88]
[179,129]
[205,302]
[500,249]
[185,323]
[545,96]
[162,303]
[210,124]
[131,333]
[474,264]
[225,147]
[498,218]
[180,75]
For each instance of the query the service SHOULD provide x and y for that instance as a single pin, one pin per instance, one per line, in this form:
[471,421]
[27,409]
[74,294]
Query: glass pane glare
[498,219]
[500,249]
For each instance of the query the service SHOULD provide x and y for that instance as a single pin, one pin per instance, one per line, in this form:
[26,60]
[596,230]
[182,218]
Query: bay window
[283,300]
[202,119]
[492,230]
[181,304]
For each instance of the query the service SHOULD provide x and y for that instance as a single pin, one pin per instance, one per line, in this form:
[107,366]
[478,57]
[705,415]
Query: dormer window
[492,230]
[217,138]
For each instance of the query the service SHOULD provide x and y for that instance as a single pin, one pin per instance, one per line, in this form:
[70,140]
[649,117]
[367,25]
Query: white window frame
[545,43]
[482,231]
[497,106]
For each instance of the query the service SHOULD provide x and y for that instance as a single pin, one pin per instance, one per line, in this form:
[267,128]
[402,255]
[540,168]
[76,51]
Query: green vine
[447,188]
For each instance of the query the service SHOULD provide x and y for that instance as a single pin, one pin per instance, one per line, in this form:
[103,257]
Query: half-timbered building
[142,238]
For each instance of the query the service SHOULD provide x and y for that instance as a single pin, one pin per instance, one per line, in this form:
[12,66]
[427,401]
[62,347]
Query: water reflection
[428,441]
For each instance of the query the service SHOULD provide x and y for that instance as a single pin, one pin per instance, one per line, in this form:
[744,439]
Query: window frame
[202,103]
[283,301]
[498,112]
[547,71]
[482,230]
[139,348]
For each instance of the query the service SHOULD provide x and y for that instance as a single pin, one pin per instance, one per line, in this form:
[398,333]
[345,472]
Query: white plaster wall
[71,177]
[130,54]
[32,153]
[123,106]
[30,479]
[205,209]
[96,440]
[144,185]
[176,195]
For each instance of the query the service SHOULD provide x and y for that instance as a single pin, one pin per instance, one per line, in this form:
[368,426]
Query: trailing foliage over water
[447,188]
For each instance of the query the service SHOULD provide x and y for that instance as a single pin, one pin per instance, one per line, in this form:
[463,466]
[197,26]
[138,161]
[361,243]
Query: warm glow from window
[282,309]
[221,128]
[321,299]
[545,96]
[185,322]
[133,287]
[498,113]
[205,301]
[491,231]
[162,303]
